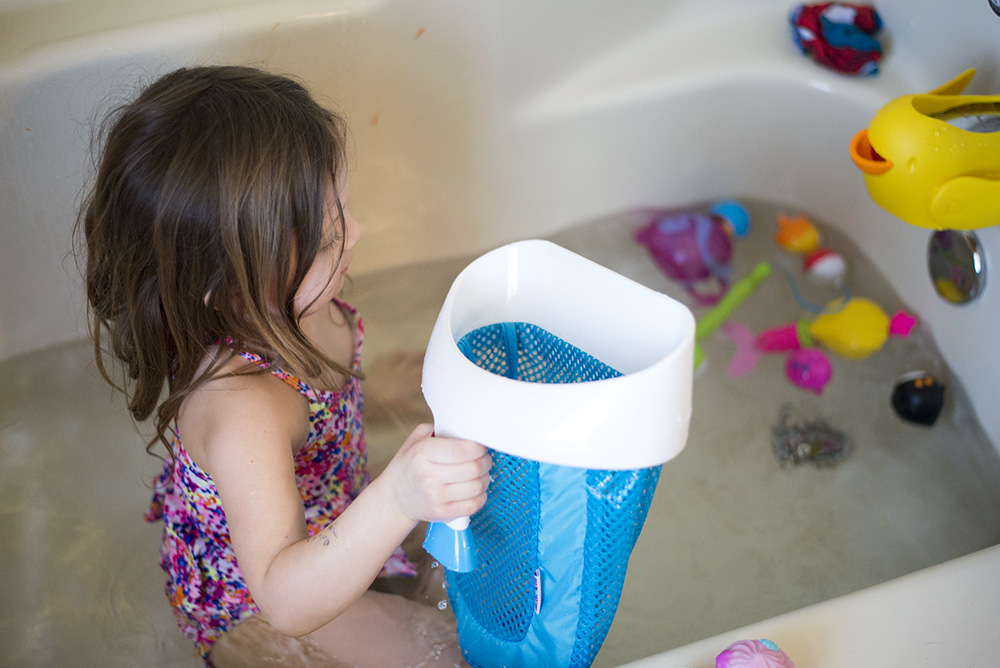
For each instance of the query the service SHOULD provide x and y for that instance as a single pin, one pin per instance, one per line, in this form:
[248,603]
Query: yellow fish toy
[858,328]
[854,328]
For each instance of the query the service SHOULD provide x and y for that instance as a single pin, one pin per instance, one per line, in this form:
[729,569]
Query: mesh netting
[590,519]
[527,352]
[616,507]
[501,591]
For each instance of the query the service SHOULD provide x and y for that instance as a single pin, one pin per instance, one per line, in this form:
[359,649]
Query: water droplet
[434,564]
[442,605]
[911,165]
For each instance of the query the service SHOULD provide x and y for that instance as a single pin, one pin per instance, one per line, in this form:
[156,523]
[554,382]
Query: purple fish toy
[753,654]
[809,368]
[694,248]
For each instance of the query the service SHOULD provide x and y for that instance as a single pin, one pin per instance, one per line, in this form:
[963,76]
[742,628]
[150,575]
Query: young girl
[217,238]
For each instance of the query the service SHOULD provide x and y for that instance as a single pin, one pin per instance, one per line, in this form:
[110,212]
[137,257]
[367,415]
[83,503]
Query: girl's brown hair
[205,214]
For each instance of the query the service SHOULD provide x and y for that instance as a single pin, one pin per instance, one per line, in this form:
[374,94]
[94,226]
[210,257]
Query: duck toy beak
[865,157]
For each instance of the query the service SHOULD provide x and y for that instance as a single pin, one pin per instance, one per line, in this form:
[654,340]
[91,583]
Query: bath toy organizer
[579,380]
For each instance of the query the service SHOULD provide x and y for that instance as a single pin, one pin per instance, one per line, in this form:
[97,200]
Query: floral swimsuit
[205,586]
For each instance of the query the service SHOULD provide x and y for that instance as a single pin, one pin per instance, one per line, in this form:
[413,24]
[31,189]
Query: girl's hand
[439,478]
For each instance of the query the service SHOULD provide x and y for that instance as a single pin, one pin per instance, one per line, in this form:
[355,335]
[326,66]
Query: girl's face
[325,277]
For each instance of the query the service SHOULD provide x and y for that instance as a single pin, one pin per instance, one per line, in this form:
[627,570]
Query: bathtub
[477,124]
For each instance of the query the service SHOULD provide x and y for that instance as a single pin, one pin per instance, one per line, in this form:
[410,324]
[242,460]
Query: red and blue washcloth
[838,35]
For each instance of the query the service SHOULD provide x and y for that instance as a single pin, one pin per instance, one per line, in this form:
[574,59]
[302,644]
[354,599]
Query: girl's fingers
[466,491]
[440,477]
[466,503]
[442,450]
[420,432]
[476,471]
[454,451]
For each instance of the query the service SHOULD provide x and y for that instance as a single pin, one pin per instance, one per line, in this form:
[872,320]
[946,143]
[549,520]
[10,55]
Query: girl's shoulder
[241,405]
[246,397]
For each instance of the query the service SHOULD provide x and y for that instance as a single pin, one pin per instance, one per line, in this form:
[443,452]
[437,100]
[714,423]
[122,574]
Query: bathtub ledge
[945,615]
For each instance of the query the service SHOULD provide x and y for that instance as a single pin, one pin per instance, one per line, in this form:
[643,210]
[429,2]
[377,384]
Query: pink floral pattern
[205,585]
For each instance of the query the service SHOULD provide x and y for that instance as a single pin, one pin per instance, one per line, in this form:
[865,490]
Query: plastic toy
[793,336]
[796,234]
[713,319]
[853,330]
[838,35]
[918,397]
[745,359]
[753,654]
[734,216]
[933,159]
[692,248]
[518,361]
[858,328]
[806,366]
[809,368]
[825,265]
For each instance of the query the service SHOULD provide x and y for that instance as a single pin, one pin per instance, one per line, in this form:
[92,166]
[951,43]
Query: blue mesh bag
[553,541]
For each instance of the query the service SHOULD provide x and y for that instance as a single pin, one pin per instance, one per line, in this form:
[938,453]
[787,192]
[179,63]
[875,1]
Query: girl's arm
[247,434]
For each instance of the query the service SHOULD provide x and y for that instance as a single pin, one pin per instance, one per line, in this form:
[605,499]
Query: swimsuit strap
[300,386]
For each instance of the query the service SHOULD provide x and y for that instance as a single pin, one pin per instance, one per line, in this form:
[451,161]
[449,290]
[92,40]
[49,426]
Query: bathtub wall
[480,123]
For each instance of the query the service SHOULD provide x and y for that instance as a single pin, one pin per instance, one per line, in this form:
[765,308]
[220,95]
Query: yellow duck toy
[933,159]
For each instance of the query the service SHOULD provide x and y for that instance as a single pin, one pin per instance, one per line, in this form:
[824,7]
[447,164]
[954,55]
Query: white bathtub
[479,123]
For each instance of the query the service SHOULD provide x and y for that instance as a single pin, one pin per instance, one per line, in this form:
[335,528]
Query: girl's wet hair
[206,212]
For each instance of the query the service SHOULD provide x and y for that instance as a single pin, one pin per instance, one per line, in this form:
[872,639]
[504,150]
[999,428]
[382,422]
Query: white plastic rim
[637,420]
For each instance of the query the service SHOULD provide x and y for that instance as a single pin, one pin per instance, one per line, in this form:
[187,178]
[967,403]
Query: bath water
[732,536]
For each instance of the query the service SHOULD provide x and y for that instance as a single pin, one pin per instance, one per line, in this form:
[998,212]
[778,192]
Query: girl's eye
[333,240]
